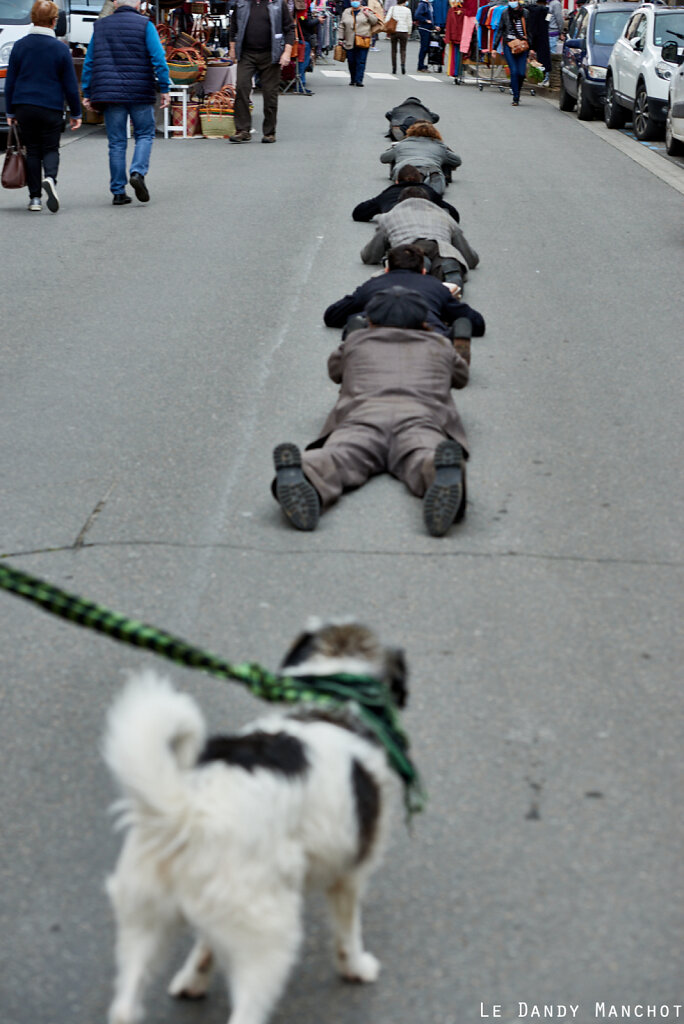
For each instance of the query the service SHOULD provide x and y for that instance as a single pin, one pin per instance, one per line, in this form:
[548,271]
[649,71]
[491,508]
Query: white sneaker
[35,205]
[50,190]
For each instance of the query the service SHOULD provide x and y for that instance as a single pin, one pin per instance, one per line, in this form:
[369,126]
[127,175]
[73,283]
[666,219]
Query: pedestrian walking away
[424,19]
[354,34]
[394,414]
[401,12]
[538,21]
[261,36]
[40,76]
[513,31]
[124,64]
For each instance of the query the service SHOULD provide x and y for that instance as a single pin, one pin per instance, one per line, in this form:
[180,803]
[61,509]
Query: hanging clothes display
[452,38]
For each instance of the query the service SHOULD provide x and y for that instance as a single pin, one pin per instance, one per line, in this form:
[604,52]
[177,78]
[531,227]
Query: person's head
[397,307]
[409,175]
[423,130]
[44,14]
[406,257]
[412,192]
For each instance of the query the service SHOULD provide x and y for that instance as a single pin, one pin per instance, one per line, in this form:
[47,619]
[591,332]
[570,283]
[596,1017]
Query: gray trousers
[355,452]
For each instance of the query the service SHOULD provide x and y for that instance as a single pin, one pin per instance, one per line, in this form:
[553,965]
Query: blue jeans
[302,65]
[142,121]
[517,62]
[424,34]
[356,59]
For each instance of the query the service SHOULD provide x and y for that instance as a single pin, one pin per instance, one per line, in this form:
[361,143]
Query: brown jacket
[350,26]
[391,377]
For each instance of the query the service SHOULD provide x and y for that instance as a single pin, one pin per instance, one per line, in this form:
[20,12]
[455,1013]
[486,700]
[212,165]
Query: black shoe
[296,496]
[139,187]
[394,71]
[403,70]
[352,83]
[444,499]
[121,199]
[359,85]
[268,138]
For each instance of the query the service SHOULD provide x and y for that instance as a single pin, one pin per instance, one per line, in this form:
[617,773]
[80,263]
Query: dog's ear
[396,675]
[301,650]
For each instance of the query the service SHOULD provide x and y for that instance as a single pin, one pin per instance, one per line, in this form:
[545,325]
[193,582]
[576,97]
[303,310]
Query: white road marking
[381,74]
[334,74]
[425,78]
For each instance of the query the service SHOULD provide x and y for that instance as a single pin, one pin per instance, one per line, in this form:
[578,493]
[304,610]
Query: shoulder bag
[14,167]
[519,45]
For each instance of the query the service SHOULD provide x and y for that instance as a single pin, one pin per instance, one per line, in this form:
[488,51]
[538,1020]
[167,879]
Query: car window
[631,28]
[608,26]
[15,12]
[669,28]
[581,27]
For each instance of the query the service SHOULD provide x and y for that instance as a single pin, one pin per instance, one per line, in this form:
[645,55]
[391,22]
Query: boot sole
[52,202]
[443,497]
[296,496]
[140,189]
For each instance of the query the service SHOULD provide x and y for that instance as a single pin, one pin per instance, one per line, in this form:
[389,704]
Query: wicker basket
[184,73]
[218,124]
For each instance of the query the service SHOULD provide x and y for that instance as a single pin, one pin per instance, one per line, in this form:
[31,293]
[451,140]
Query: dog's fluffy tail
[153,736]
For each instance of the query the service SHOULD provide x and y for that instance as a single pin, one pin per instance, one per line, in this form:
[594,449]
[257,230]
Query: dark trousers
[424,34]
[356,61]
[40,132]
[269,78]
[517,63]
[444,268]
[399,38]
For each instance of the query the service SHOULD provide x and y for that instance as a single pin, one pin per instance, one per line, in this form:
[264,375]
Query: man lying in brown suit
[394,414]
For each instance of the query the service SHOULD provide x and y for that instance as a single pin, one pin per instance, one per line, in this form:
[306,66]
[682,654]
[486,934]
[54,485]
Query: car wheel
[585,111]
[565,100]
[613,113]
[673,146]
[644,125]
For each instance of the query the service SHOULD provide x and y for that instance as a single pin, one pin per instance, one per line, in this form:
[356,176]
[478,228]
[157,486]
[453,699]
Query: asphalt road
[152,356]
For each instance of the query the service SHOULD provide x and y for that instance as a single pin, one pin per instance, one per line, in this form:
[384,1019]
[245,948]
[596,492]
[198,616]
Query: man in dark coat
[394,414]
[405,267]
[407,113]
[125,59]
[261,36]
[389,197]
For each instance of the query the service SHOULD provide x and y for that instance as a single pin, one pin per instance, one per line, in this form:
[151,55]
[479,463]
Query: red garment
[470,8]
[454,25]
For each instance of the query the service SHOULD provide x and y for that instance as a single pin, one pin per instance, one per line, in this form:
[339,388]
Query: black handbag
[14,166]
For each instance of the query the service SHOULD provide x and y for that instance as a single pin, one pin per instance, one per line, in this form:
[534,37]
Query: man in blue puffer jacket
[124,59]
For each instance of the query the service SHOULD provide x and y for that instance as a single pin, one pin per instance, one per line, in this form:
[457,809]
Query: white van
[15,21]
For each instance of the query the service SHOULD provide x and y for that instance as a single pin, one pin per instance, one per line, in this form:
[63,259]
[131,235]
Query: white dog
[225,833]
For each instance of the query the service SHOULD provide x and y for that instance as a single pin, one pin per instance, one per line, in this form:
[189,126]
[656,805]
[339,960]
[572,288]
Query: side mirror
[576,44]
[638,44]
[669,53]
[61,26]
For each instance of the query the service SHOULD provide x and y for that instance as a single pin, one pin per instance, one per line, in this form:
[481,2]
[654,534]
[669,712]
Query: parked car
[637,79]
[674,121]
[595,29]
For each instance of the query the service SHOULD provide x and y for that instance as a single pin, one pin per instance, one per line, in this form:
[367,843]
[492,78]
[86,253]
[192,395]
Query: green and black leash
[372,699]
